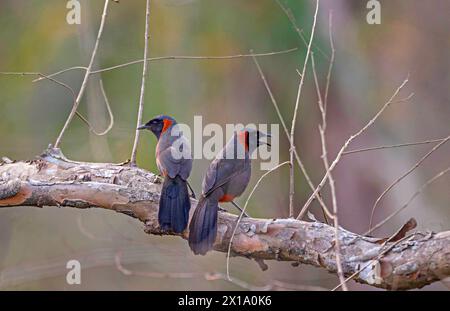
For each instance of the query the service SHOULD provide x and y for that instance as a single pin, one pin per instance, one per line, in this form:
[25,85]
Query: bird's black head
[158,125]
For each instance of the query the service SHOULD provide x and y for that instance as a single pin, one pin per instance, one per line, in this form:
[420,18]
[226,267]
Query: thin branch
[417,193]
[294,118]
[86,77]
[330,66]
[322,130]
[62,71]
[243,211]
[299,31]
[110,113]
[66,86]
[403,176]
[426,142]
[347,143]
[173,57]
[82,118]
[325,210]
[144,73]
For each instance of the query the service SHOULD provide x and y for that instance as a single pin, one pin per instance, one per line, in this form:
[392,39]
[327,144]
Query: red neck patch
[243,139]
[167,123]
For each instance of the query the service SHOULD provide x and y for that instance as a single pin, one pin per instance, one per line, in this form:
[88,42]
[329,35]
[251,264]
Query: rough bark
[53,180]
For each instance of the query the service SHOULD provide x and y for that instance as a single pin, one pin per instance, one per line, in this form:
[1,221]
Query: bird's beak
[142,127]
[270,136]
[265,142]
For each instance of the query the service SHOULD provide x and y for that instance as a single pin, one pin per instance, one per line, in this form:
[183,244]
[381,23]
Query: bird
[226,179]
[175,165]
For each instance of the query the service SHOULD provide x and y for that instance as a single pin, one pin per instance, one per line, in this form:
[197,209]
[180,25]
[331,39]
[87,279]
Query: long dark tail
[203,226]
[174,205]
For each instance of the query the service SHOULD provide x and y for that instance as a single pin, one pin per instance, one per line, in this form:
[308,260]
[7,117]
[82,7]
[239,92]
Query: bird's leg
[192,190]
[240,209]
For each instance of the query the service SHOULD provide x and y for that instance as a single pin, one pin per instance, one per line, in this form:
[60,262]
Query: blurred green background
[371,61]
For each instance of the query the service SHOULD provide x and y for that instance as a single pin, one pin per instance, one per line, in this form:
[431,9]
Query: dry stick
[294,118]
[348,141]
[394,146]
[322,130]
[86,76]
[398,180]
[243,211]
[325,210]
[108,107]
[62,71]
[418,192]
[91,128]
[299,31]
[173,57]
[42,76]
[141,98]
[327,87]
[330,66]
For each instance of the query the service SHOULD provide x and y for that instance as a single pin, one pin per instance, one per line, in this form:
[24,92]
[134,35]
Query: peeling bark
[53,180]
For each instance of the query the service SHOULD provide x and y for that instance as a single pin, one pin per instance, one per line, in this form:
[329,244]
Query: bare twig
[243,211]
[86,76]
[347,143]
[325,210]
[418,192]
[322,130]
[294,118]
[108,107]
[66,86]
[299,31]
[173,57]
[403,176]
[74,96]
[63,71]
[141,98]
[330,66]
[418,143]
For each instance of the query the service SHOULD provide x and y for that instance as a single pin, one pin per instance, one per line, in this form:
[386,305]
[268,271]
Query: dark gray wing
[173,166]
[220,172]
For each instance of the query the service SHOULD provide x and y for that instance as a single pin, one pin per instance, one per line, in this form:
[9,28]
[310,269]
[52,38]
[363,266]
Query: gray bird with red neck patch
[226,178]
[174,162]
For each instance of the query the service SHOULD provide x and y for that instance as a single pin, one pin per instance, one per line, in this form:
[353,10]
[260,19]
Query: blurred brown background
[371,61]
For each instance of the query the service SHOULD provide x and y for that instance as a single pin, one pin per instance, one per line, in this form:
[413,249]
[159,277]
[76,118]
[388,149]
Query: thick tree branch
[53,180]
